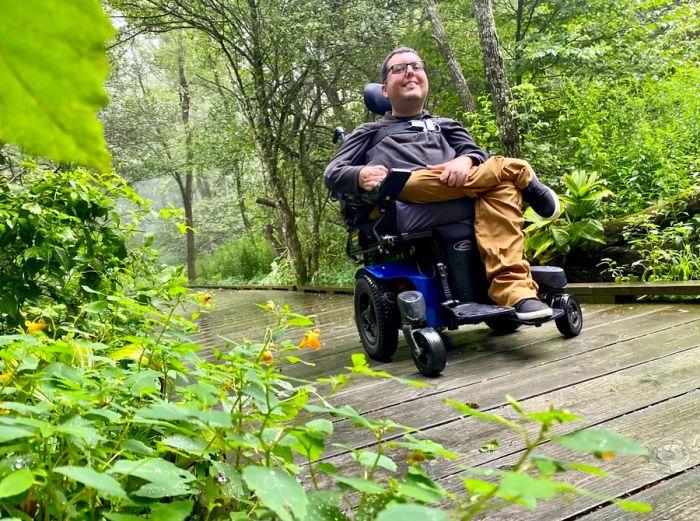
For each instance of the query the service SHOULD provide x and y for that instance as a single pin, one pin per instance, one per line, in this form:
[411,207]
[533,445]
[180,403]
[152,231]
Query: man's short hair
[400,50]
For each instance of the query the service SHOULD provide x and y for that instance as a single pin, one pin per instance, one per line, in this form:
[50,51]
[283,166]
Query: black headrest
[375,101]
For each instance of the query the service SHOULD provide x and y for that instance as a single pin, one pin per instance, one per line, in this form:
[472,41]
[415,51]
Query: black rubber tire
[571,322]
[376,318]
[433,356]
[502,326]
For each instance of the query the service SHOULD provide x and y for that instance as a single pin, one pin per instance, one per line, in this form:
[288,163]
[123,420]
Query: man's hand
[454,172]
[370,176]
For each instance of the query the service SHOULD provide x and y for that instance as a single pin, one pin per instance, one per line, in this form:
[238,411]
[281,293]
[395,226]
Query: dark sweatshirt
[410,150]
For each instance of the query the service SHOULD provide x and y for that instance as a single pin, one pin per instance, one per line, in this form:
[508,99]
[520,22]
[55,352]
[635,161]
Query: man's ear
[384,91]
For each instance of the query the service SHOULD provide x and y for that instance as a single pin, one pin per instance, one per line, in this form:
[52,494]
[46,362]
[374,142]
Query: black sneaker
[531,309]
[542,199]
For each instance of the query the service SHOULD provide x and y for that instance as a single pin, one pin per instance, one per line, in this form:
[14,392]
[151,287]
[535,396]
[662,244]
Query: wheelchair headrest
[375,101]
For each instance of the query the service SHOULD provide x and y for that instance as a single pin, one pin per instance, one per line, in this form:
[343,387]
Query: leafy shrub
[548,239]
[671,253]
[238,260]
[61,236]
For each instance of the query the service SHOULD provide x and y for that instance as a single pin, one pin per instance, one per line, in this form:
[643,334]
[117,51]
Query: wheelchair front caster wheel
[433,357]
[571,322]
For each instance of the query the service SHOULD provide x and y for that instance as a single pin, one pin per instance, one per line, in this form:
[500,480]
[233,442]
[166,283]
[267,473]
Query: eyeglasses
[400,68]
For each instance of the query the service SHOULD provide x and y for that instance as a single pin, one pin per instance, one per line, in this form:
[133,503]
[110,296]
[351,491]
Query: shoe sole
[557,207]
[532,315]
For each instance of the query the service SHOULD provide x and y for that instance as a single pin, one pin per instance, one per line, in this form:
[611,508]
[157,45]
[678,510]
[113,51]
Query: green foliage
[533,476]
[576,228]
[671,253]
[640,134]
[52,72]
[61,239]
[236,261]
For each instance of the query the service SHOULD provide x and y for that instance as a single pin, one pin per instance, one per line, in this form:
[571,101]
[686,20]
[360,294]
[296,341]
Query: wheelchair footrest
[473,313]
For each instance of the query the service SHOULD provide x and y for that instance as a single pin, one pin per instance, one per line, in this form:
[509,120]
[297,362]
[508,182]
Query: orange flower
[206,298]
[311,339]
[604,455]
[34,327]
[267,356]
[416,458]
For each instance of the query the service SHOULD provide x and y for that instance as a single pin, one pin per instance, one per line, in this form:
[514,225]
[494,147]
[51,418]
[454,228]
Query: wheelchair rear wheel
[376,317]
[433,357]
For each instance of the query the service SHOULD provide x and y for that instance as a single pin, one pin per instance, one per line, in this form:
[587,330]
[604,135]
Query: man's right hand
[371,176]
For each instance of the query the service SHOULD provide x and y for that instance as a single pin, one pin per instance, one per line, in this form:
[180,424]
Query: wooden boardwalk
[635,370]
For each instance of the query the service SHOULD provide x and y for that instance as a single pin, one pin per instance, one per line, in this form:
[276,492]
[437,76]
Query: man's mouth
[410,84]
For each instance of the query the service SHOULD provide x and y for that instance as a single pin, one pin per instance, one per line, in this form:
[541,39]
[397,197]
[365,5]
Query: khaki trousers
[496,185]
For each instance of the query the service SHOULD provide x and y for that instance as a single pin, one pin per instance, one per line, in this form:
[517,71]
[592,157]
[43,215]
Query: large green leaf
[176,511]
[600,441]
[16,483]
[166,479]
[52,70]
[278,491]
[397,512]
[101,482]
[323,506]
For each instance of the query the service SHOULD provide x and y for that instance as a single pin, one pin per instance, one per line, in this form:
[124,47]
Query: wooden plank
[623,380]
[469,341]
[690,287]
[673,499]
[670,432]
[515,357]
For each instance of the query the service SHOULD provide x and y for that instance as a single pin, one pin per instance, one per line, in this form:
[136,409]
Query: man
[447,167]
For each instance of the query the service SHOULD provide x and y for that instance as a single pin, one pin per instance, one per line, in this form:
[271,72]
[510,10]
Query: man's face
[406,90]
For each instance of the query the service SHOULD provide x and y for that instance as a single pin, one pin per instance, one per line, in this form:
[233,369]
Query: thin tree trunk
[188,189]
[497,79]
[241,204]
[448,55]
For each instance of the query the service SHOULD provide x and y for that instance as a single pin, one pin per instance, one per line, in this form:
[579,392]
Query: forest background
[222,112]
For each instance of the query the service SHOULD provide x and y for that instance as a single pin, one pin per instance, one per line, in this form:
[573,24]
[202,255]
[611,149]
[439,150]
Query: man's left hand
[454,172]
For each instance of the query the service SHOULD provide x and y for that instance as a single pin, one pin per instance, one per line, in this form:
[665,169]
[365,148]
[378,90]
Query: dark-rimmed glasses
[400,68]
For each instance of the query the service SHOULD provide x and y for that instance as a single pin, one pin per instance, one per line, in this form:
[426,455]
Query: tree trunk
[497,79]
[448,55]
[269,234]
[187,189]
[241,205]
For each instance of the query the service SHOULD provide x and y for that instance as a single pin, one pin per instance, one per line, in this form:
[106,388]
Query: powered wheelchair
[424,282]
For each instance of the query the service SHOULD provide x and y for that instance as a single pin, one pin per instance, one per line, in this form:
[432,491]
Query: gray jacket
[409,150]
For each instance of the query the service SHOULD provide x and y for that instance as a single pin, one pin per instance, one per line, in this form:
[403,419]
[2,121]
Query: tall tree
[185,179]
[448,55]
[496,78]
[279,56]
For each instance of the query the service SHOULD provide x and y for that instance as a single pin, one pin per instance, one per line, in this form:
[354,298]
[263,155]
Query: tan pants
[496,186]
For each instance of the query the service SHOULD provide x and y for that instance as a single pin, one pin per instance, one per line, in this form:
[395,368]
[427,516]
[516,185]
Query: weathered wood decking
[635,369]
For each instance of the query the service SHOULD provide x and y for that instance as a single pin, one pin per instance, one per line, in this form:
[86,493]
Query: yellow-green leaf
[52,72]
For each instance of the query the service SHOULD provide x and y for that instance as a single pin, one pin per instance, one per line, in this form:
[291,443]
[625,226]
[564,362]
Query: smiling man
[447,167]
